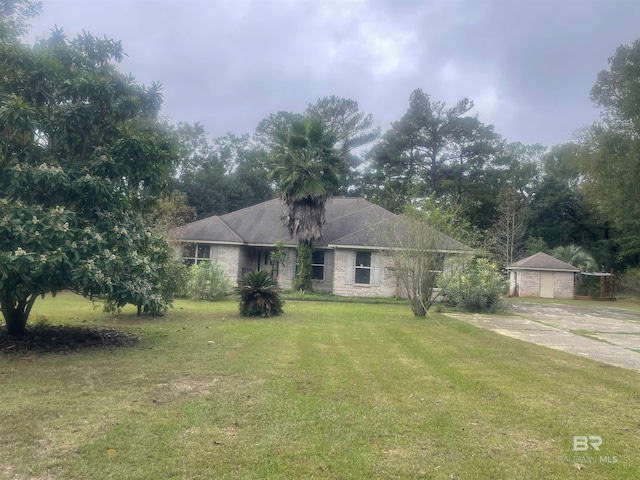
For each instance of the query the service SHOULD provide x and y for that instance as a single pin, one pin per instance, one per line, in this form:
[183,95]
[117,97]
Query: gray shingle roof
[349,221]
[206,230]
[542,261]
[378,234]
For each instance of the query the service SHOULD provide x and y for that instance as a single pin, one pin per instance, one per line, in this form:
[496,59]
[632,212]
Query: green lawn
[329,390]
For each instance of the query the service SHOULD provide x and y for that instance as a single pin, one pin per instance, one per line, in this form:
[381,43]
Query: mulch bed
[64,339]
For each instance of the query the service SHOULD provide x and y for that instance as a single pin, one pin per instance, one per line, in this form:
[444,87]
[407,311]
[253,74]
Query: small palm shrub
[207,281]
[477,288]
[259,295]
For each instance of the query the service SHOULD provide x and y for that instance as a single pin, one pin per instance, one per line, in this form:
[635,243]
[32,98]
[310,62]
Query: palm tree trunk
[303,278]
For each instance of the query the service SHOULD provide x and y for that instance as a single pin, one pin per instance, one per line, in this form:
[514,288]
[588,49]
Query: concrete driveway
[600,332]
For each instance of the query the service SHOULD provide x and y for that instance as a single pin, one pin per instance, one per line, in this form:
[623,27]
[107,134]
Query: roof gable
[542,261]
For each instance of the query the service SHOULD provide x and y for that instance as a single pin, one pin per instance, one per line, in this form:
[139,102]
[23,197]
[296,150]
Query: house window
[194,253]
[317,265]
[363,268]
[438,263]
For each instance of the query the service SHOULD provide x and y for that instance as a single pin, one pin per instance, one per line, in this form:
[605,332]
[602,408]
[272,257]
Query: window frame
[197,257]
[362,267]
[317,265]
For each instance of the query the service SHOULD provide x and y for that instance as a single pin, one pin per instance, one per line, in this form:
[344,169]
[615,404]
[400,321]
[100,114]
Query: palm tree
[576,256]
[259,295]
[306,167]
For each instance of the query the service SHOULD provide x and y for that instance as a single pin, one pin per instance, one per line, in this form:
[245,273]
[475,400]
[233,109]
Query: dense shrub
[629,282]
[476,288]
[207,281]
[176,278]
[259,295]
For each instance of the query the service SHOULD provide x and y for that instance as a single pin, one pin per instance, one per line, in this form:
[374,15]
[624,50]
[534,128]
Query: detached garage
[541,276]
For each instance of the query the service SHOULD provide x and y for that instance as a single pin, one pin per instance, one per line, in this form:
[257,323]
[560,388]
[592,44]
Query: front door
[547,285]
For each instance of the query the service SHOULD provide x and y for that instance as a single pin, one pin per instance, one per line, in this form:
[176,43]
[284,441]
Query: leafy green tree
[306,167]
[520,166]
[269,132]
[392,175]
[611,153]
[471,178]
[350,128]
[441,150]
[559,213]
[220,175]
[14,15]
[171,211]
[535,245]
[477,287]
[447,217]
[426,134]
[616,89]
[82,156]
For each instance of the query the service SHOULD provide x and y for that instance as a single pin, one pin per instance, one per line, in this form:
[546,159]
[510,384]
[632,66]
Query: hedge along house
[542,276]
[348,260]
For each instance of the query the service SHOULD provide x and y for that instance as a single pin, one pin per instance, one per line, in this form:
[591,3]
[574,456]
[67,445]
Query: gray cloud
[527,64]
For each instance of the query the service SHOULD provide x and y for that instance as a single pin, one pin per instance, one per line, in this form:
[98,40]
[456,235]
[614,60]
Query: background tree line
[85,156]
[516,199]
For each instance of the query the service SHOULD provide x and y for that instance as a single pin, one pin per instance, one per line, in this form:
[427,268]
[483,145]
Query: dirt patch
[63,339]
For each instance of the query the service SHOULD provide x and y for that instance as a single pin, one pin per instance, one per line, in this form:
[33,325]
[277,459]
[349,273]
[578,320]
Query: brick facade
[526,283]
[564,284]
[236,260]
[388,285]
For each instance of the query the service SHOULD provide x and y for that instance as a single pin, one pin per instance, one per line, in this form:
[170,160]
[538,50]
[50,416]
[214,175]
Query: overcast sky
[528,65]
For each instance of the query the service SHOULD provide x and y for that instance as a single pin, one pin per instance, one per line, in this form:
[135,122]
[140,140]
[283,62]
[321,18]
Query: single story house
[542,276]
[348,260]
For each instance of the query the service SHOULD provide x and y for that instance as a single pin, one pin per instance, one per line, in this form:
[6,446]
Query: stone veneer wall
[229,260]
[388,283]
[228,256]
[528,283]
[563,285]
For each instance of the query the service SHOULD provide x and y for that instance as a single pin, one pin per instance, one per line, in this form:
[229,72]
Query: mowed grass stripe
[325,391]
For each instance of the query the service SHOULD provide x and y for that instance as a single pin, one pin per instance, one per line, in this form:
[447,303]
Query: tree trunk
[418,307]
[16,312]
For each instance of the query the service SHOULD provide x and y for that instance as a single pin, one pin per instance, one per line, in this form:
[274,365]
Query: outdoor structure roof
[542,261]
[349,222]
